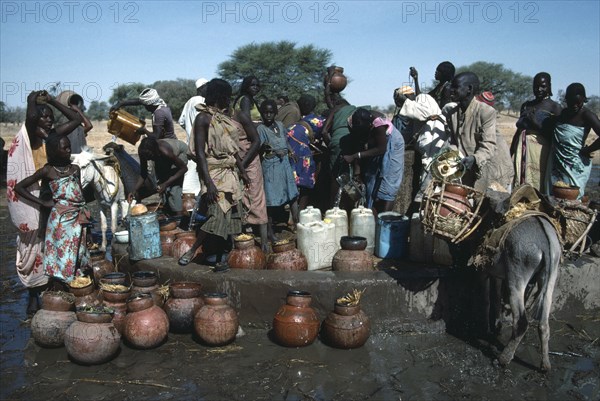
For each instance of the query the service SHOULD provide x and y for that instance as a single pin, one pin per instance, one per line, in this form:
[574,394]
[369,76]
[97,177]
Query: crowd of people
[247,161]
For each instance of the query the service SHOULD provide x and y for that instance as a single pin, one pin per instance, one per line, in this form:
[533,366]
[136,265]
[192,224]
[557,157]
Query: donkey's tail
[548,272]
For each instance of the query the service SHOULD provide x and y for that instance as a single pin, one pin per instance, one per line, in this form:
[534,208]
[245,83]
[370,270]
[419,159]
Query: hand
[349,158]
[49,203]
[468,162]
[245,178]
[212,193]
[399,99]
[413,73]
[115,107]
[586,152]
[141,131]
[160,189]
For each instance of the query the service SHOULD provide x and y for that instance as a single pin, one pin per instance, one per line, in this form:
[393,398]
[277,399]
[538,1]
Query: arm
[252,133]
[75,119]
[485,148]
[167,152]
[21,188]
[381,140]
[143,175]
[31,118]
[591,120]
[242,170]
[127,102]
[415,76]
[201,125]
[87,124]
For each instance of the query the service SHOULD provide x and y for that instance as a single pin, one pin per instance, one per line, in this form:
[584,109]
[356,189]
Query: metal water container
[144,237]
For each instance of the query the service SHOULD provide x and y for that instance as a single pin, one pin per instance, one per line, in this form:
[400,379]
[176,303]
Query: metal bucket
[125,126]
[144,237]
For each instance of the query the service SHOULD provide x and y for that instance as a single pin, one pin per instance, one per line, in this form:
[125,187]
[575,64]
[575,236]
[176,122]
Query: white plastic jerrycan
[316,241]
[362,224]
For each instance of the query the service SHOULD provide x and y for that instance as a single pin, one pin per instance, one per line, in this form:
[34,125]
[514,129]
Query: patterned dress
[66,249]
[299,138]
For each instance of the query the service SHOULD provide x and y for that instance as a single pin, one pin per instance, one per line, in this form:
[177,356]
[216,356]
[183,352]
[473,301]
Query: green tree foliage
[510,88]
[176,93]
[130,91]
[14,115]
[281,67]
[97,110]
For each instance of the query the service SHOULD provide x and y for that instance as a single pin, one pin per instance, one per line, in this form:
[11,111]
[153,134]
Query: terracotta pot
[115,278]
[94,317]
[166,242]
[189,202]
[115,296]
[182,306]
[285,256]
[183,243]
[144,279]
[246,255]
[50,323]
[101,268]
[296,324]
[92,343]
[567,193]
[82,291]
[337,81]
[146,325]
[346,327]
[58,301]
[454,204]
[353,243]
[87,295]
[216,323]
[167,225]
[352,257]
[120,311]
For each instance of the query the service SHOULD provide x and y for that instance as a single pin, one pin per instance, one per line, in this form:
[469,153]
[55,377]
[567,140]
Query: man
[191,182]
[444,73]
[162,119]
[288,111]
[472,127]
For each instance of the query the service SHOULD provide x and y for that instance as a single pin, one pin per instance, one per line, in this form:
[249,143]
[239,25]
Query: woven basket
[575,221]
[458,224]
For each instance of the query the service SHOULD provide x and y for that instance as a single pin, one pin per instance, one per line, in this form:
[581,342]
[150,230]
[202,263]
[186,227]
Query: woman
[65,246]
[216,148]
[246,102]
[28,152]
[300,137]
[571,160]
[532,142]
[384,157]
[170,165]
[280,187]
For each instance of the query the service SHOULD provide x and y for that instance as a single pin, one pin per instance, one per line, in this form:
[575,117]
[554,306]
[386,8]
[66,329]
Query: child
[65,245]
[280,186]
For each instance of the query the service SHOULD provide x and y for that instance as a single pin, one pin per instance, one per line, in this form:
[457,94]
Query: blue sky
[91,46]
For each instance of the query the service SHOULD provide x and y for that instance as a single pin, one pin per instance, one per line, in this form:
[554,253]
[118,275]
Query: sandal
[186,258]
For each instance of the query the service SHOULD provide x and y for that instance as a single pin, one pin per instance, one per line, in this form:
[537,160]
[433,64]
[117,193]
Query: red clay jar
[117,278]
[92,339]
[166,242]
[216,323]
[337,81]
[120,311]
[296,324]
[352,256]
[246,255]
[182,306]
[346,327]
[189,202]
[285,256]
[49,324]
[146,282]
[455,200]
[146,325]
[183,242]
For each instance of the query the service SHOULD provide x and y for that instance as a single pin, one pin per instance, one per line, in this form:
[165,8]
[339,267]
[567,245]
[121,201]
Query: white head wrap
[149,97]
[200,82]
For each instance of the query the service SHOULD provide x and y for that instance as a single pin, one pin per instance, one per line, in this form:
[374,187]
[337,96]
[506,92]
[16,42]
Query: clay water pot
[189,202]
[286,256]
[346,327]
[115,296]
[337,80]
[101,268]
[92,339]
[183,242]
[146,282]
[120,311]
[87,295]
[49,324]
[216,323]
[296,324]
[115,278]
[182,306]
[246,255]
[455,200]
[166,241]
[146,325]
[567,193]
[353,255]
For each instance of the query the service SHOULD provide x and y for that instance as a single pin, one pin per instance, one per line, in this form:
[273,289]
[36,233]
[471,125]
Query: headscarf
[149,97]
[200,82]
[404,90]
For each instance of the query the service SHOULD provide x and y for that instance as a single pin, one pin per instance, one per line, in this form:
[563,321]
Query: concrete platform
[400,297]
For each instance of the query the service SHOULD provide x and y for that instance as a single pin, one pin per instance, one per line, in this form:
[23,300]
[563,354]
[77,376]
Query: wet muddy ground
[391,366]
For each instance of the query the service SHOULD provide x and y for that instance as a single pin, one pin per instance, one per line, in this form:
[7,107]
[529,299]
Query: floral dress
[66,249]
[299,139]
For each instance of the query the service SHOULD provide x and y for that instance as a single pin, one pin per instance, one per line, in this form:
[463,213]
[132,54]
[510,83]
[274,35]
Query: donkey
[530,250]
[108,188]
